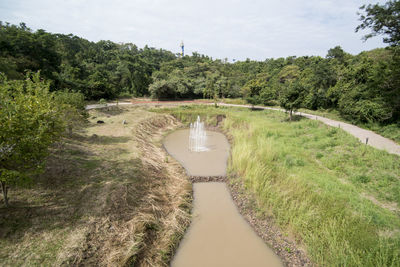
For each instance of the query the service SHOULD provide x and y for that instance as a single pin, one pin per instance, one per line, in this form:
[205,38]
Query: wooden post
[366,141]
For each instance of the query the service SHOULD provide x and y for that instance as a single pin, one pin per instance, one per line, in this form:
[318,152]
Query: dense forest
[98,70]
[363,88]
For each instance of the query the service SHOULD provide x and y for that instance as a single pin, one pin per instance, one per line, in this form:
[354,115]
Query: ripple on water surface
[207,163]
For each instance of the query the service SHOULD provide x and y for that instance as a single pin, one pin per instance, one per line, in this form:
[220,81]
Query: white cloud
[255,29]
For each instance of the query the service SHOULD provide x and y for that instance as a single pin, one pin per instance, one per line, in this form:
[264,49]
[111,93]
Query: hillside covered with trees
[98,70]
[97,187]
[363,88]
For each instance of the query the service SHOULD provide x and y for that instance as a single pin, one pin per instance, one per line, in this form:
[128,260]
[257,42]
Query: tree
[365,94]
[30,121]
[72,105]
[383,20]
[291,96]
[252,91]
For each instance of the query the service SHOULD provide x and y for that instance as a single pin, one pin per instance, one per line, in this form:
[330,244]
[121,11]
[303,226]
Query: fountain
[218,235]
[197,136]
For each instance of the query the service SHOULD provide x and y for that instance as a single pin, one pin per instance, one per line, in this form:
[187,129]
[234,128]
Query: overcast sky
[255,29]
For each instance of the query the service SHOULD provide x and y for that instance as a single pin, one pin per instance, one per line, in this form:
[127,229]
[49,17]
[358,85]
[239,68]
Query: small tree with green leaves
[30,121]
[72,105]
[291,97]
[251,92]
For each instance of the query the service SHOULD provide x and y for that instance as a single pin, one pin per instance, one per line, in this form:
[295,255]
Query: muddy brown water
[218,234]
[208,163]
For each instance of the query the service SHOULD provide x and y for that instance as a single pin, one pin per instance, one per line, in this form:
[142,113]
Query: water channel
[218,234]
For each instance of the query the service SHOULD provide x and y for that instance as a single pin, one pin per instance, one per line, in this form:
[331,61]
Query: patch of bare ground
[108,197]
[392,206]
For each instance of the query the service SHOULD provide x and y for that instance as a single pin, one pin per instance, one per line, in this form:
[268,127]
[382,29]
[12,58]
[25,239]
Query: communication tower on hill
[183,50]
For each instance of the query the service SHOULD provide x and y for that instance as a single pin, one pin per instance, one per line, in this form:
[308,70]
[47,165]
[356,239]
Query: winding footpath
[365,136]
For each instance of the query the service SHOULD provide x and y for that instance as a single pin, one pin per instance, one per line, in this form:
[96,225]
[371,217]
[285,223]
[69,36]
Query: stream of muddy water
[218,234]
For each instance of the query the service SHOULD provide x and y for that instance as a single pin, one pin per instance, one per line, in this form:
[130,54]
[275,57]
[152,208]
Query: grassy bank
[107,198]
[391,131]
[336,197]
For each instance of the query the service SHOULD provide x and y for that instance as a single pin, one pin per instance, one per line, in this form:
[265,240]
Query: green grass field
[335,196]
[391,131]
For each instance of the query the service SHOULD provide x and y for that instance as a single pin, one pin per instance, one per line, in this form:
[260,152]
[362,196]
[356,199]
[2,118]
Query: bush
[364,110]
[73,99]
[103,101]
[72,106]
[30,121]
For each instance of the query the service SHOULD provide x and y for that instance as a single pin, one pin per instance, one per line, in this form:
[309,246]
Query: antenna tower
[183,50]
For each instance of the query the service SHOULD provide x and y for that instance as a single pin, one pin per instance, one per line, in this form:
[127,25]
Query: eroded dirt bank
[108,197]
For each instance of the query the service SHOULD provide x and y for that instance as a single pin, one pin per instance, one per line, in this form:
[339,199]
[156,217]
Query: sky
[232,29]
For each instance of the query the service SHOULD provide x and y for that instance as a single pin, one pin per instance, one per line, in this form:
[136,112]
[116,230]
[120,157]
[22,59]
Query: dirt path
[374,140]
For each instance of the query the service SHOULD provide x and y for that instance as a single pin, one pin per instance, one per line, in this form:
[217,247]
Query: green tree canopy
[382,20]
[30,121]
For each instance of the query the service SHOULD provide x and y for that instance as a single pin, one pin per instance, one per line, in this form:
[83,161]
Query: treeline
[363,88]
[98,70]
[197,76]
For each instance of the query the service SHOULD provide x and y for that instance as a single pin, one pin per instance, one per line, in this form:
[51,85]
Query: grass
[106,198]
[335,196]
[391,131]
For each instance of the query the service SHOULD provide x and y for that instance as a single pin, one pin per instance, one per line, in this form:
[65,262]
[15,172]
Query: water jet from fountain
[197,136]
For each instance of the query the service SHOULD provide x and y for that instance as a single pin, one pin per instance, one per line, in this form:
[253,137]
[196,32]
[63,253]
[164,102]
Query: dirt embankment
[145,232]
[175,198]
[109,197]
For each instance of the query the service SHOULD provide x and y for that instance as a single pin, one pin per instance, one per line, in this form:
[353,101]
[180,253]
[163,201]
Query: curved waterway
[218,234]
